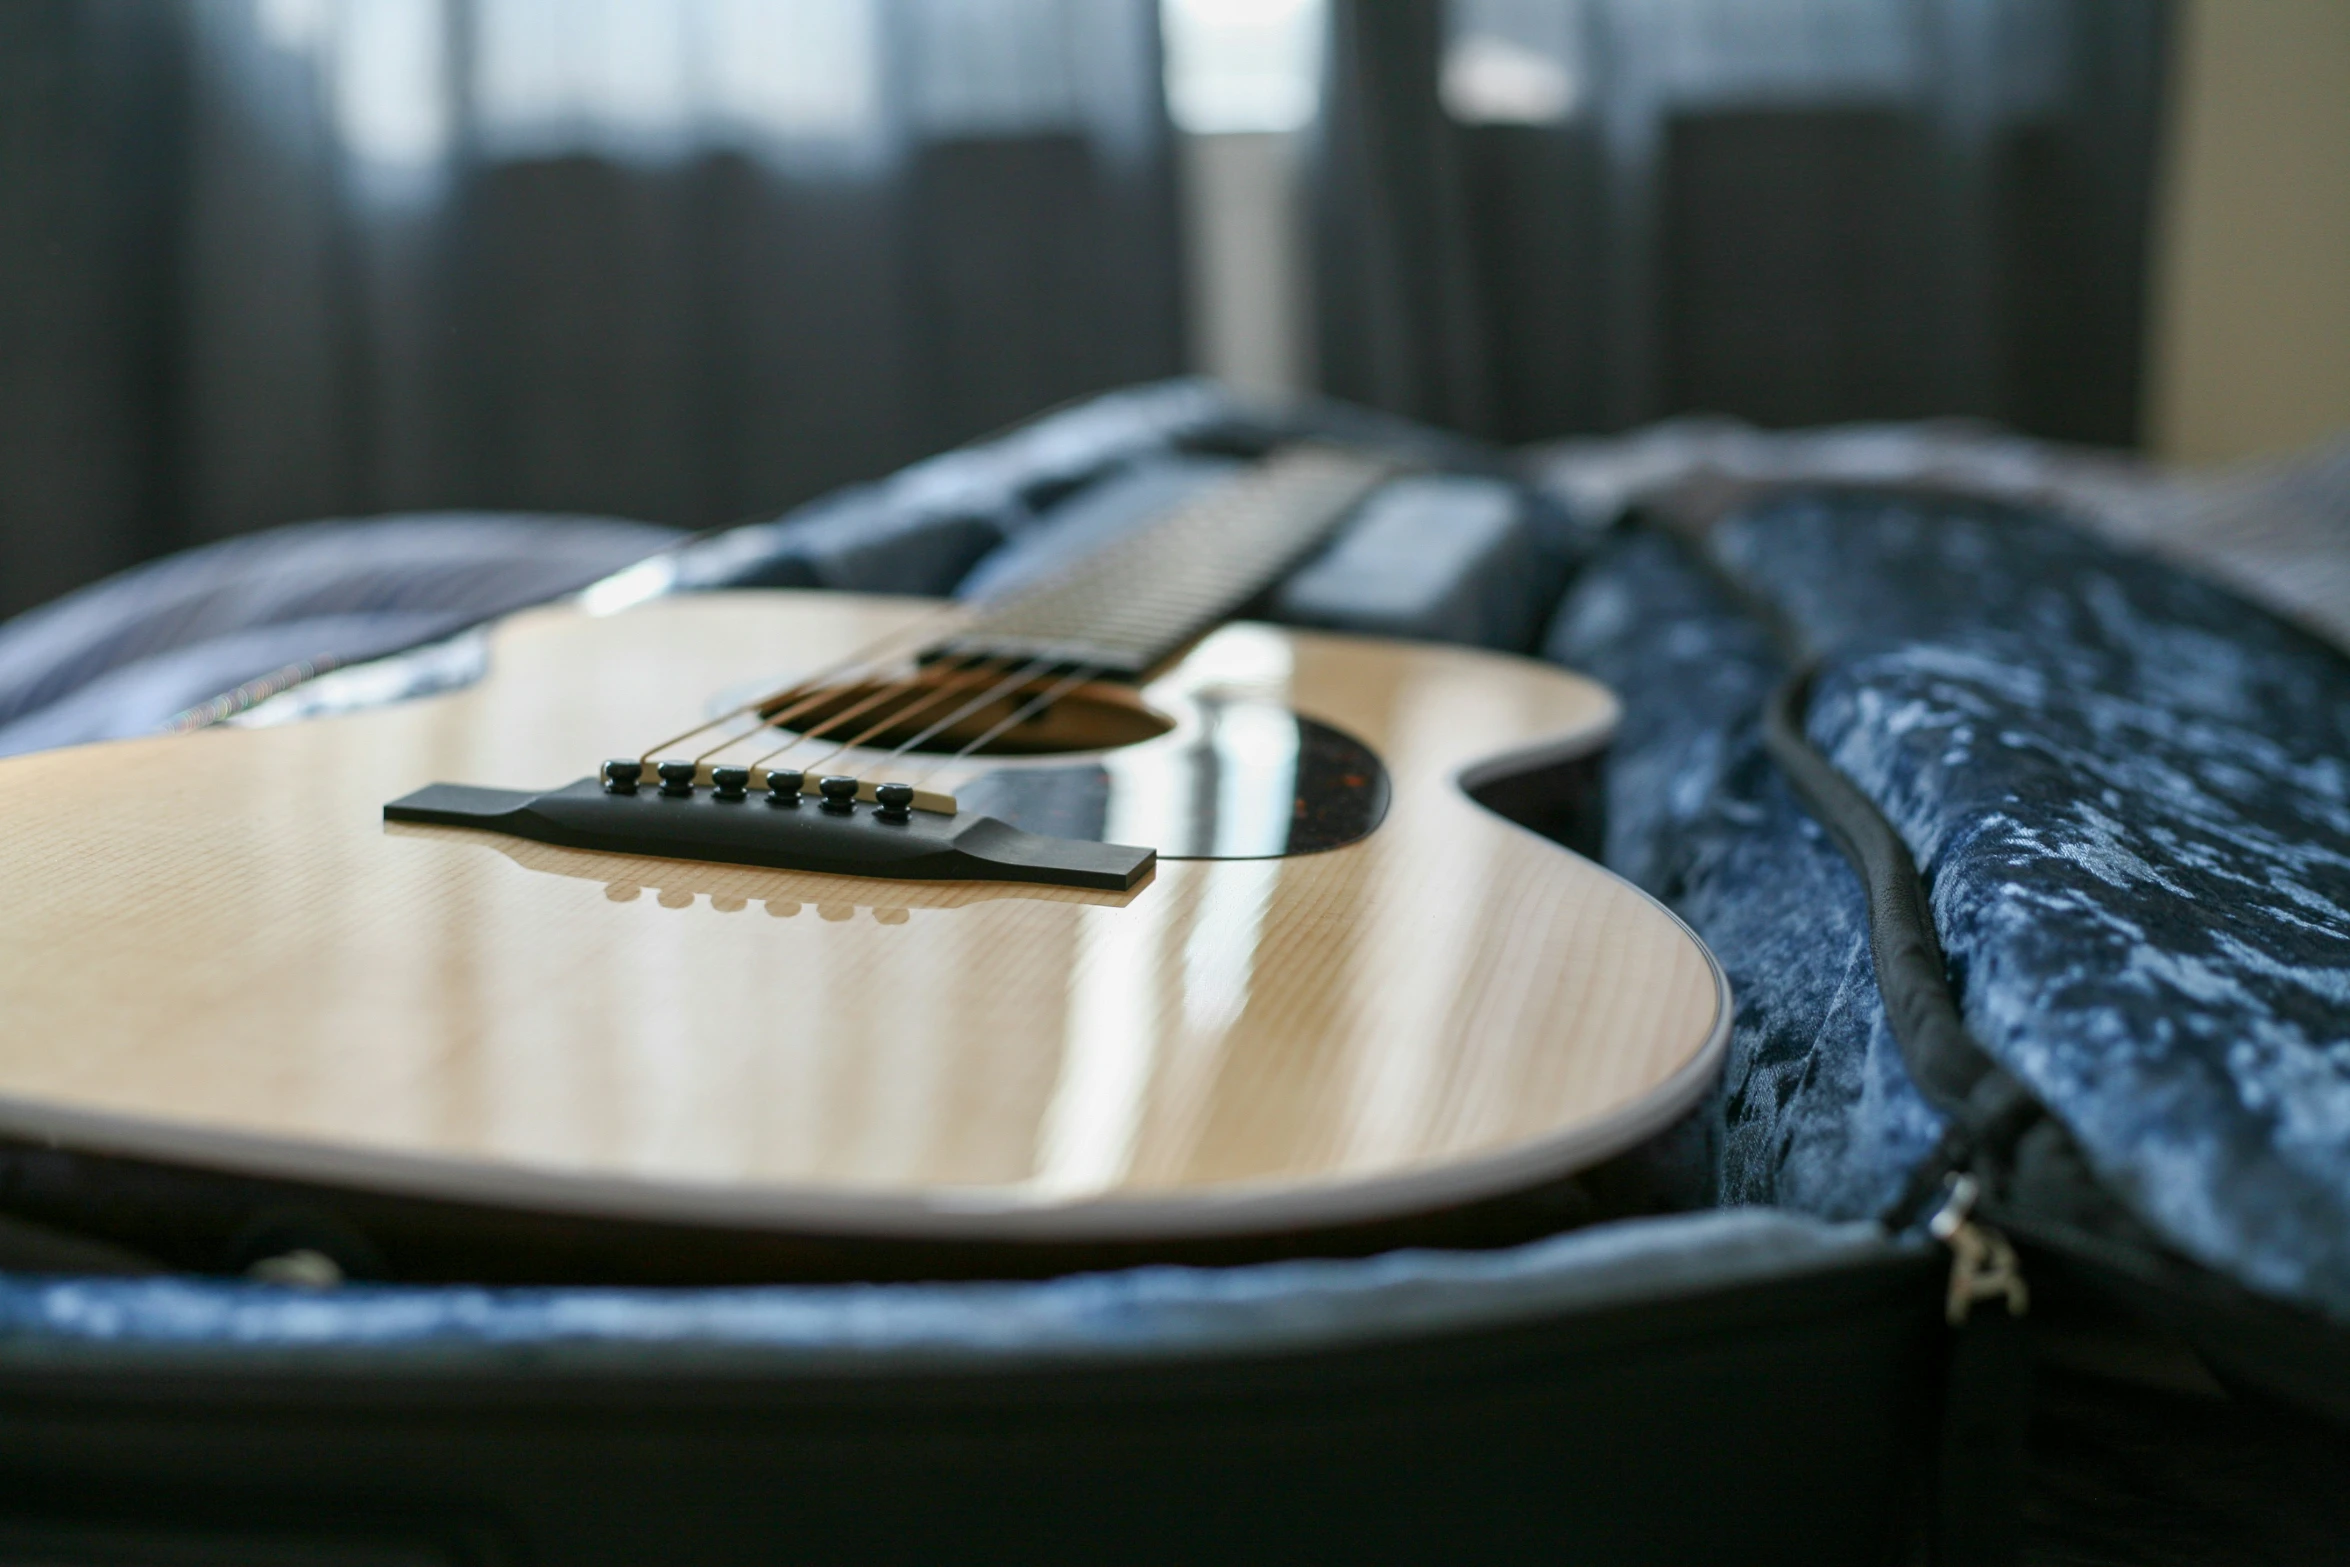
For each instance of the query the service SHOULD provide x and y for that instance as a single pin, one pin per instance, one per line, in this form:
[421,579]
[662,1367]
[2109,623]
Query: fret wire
[1183,569]
[1070,577]
[1235,534]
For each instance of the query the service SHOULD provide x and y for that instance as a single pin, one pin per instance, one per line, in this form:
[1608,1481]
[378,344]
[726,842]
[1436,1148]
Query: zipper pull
[1982,1263]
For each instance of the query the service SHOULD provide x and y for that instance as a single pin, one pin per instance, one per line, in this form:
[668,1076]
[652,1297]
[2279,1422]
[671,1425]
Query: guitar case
[2019,1228]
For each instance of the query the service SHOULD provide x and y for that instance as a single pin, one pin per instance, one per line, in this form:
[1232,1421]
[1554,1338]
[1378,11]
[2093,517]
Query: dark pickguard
[1258,782]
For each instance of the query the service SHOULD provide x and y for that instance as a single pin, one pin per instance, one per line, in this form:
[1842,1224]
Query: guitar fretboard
[1124,609]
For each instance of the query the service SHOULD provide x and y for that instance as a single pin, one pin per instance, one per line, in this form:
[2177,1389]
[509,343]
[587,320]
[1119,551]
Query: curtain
[687,261]
[1537,217]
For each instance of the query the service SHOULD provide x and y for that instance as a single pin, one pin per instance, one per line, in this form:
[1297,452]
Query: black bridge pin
[677,778]
[895,800]
[783,785]
[840,793]
[733,783]
[620,776]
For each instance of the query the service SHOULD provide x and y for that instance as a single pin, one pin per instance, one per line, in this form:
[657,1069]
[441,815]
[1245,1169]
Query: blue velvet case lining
[880,1329]
[2125,790]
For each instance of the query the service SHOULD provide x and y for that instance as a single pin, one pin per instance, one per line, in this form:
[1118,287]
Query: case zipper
[1983,1265]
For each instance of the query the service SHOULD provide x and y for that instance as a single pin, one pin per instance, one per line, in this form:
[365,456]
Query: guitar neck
[1122,610]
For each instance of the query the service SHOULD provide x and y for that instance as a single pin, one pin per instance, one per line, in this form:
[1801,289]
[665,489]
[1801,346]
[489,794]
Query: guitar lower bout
[1346,995]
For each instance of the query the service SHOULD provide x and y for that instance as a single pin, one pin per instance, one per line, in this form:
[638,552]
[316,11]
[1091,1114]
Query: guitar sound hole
[1097,716]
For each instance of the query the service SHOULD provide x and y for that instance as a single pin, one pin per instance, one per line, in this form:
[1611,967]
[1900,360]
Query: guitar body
[232,985]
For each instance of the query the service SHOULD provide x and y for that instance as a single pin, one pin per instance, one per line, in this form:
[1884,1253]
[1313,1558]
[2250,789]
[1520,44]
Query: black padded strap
[1953,1071]
[1987,1109]
[1981,1457]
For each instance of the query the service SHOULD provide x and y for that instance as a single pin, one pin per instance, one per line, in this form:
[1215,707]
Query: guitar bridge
[792,833]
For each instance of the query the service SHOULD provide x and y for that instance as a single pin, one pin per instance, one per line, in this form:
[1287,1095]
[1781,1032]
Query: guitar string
[1133,544]
[913,683]
[813,689]
[810,684]
[1020,715]
[926,695]
[1051,584]
[930,697]
[812,695]
[1136,543]
[1013,681]
[817,697]
[1042,589]
[1103,562]
[1064,576]
[869,653]
[892,692]
[1032,670]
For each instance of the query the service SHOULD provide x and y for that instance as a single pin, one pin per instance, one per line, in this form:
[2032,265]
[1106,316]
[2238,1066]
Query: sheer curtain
[1542,216]
[681,260]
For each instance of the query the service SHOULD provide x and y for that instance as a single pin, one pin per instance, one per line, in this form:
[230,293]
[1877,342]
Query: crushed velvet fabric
[123,656]
[1815,1111]
[2277,529]
[2129,795]
[820,1328]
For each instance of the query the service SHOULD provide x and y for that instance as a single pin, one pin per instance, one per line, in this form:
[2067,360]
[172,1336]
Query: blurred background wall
[2252,319]
[694,261]
[1546,215]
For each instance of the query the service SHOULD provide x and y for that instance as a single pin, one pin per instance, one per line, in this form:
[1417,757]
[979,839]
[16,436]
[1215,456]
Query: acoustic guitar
[1069,927]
